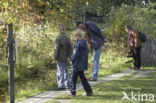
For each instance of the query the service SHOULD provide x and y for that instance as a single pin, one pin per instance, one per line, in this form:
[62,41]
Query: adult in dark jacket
[79,63]
[63,50]
[96,41]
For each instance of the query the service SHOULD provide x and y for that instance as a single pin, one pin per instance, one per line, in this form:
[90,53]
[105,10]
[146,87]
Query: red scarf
[88,38]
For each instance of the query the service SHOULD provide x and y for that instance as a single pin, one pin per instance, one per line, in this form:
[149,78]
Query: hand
[53,62]
[74,50]
[68,59]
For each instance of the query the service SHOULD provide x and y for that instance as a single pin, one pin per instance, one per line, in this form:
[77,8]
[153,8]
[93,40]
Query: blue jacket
[79,58]
[96,38]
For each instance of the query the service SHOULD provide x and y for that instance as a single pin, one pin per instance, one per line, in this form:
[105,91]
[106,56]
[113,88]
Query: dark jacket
[63,48]
[79,58]
[95,36]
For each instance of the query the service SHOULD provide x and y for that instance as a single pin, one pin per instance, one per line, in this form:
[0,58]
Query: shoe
[90,94]
[136,68]
[92,79]
[60,89]
[73,94]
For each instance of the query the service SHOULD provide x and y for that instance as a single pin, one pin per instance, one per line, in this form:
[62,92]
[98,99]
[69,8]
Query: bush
[141,18]
[36,45]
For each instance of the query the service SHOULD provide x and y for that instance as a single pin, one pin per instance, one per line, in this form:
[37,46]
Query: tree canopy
[25,11]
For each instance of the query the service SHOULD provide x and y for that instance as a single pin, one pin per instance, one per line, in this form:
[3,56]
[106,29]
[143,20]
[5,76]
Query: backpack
[142,36]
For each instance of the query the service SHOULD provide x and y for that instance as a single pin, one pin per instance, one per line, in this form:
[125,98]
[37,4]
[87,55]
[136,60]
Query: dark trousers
[137,57]
[74,77]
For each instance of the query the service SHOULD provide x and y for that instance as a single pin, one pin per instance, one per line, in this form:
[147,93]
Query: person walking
[62,51]
[79,63]
[96,41]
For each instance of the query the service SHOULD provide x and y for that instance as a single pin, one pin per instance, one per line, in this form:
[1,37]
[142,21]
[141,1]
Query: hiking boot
[90,94]
[92,79]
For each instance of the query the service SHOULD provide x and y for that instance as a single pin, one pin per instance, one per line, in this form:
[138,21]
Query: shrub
[36,45]
[141,18]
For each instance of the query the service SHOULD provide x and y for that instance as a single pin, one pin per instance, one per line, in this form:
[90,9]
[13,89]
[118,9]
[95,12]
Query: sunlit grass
[35,73]
[111,92]
[47,81]
[31,81]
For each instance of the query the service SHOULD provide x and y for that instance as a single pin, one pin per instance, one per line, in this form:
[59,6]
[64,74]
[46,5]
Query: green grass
[29,81]
[35,73]
[111,92]
[111,62]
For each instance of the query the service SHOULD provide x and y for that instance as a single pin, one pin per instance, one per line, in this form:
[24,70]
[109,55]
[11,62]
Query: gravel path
[144,73]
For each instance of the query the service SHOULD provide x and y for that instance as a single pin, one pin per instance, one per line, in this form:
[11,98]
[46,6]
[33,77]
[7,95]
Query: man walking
[96,41]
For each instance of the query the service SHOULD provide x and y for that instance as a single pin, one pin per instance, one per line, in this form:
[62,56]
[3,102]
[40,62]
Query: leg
[74,77]
[96,63]
[134,57]
[60,75]
[66,75]
[84,82]
[138,57]
[139,64]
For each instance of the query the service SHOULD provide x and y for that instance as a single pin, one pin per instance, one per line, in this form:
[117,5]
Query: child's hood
[83,43]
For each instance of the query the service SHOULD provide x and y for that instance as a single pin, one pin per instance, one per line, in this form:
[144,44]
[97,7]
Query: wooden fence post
[11,63]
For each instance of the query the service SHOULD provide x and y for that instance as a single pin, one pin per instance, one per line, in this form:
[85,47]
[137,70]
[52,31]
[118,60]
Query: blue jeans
[62,75]
[96,62]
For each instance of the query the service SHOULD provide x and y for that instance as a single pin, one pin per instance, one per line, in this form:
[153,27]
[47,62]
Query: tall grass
[35,45]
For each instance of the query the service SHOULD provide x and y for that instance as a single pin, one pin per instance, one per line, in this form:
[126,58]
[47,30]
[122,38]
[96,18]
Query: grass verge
[112,92]
[45,79]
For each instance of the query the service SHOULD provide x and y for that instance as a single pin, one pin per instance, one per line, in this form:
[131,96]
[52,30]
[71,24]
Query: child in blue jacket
[79,63]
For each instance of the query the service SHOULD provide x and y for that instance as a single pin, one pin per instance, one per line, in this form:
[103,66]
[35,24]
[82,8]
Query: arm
[94,28]
[56,49]
[75,54]
[69,48]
